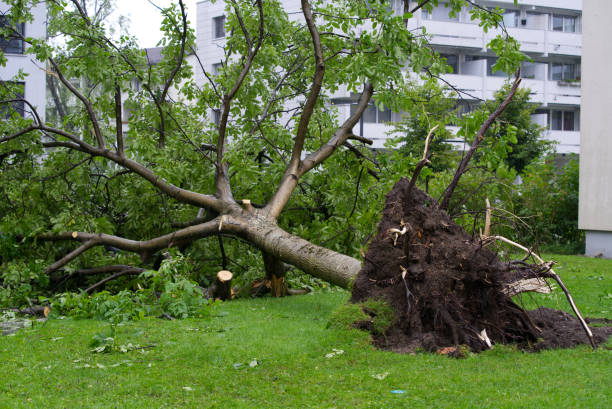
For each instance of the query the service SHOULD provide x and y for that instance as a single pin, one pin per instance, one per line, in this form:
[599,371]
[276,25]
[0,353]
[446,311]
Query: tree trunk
[317,261]
[222,287]
[275,274]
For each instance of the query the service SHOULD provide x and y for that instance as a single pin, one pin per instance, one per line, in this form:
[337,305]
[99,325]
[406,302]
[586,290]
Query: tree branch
[110,278]
[119,121]
[19,133]
[360,139]
[315,90]
[223,189]
[84,100]
[179,64]
[479,137]
[142,247]
[424,161]
[290,180]
[72,255]
[182,195]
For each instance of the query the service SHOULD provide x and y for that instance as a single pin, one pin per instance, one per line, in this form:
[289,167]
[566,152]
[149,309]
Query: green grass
[42,367]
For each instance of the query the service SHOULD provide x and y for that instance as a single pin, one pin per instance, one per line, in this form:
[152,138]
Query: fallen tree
[118,146]
[138,161]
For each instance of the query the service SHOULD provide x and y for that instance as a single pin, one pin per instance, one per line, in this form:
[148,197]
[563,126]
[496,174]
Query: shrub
[548,196]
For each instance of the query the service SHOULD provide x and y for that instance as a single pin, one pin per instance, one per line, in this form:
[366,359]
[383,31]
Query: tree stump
[222,287]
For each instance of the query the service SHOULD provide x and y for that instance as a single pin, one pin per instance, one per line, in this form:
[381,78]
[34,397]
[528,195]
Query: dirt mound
[562,330]
[445,288]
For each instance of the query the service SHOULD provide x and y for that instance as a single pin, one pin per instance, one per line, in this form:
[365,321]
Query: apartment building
[549,31]
[34,85]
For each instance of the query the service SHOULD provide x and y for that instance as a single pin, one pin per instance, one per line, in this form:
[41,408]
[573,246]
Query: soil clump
[446,289]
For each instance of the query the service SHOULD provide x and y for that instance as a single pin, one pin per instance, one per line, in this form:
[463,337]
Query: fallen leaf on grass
[380,376]
[101,366]
[334,353]
[251,364]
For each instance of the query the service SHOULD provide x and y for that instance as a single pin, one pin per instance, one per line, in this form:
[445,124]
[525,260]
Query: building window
[563,121]
[16,90]
[216,68]
[528,69]
[534,20]
[12,44]
[216,117]
[219,27]
[511,18]
[396,6]
[452,61]
[566,24]
[373,115]
[564,72]
[439,13]
[490,63]
[465,108]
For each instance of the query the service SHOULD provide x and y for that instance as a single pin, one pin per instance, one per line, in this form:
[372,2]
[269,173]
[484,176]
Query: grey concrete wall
[598,243]
[595,212]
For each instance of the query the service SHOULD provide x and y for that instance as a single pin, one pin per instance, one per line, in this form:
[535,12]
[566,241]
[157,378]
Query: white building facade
[595,210]
[549,31]
[14,50]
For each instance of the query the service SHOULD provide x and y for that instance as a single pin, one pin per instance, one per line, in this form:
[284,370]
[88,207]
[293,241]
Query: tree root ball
[445,289]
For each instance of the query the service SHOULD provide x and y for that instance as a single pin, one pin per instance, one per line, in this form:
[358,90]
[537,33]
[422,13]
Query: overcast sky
[145,18]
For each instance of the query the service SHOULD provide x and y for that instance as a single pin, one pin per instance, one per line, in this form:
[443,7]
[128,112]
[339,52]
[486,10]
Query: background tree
[526,144]
[430,106]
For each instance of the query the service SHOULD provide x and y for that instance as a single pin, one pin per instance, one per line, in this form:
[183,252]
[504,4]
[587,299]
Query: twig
[110,278]
[487,229]
[167,316]
[408,293]
[424,161]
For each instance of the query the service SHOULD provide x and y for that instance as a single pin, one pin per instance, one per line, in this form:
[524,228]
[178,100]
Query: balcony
[563,92]
[535,38]
[564,43]
[545,92]
[471,85]
[567,141]
[455,34]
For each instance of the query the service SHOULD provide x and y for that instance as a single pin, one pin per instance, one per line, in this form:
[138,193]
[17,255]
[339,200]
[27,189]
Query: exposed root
[447,289]
[556,277]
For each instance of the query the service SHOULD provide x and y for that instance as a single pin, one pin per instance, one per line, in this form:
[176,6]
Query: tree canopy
[139,165]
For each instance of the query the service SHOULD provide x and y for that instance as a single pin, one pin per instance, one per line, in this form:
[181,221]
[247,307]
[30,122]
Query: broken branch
[556,277]
[461,169]
[424,161]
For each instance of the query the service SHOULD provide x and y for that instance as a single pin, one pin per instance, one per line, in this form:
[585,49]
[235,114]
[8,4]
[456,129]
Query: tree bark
[275,274]
[222,287]
[317,261]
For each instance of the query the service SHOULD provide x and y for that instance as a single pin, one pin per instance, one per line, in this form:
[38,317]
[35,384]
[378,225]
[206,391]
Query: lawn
[279,353]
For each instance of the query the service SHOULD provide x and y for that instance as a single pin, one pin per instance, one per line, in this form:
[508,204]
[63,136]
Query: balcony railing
[469,35]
